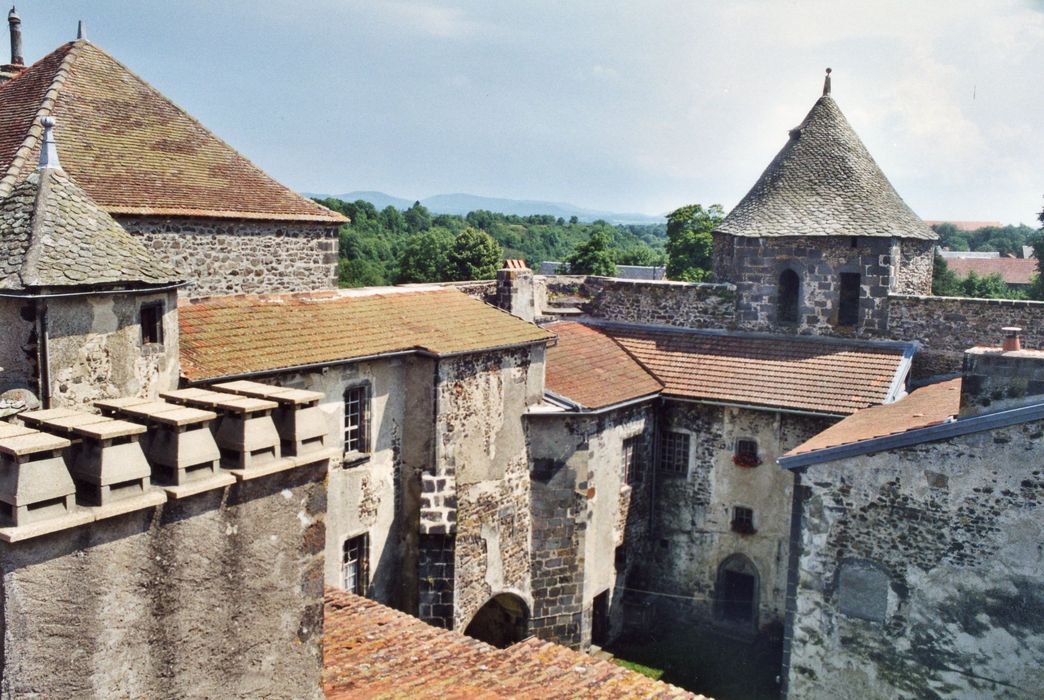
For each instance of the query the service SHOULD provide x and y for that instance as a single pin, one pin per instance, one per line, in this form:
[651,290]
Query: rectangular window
[151,319]
[848,309]
[355,564]
[632,459]
[674,453]
[746,453]
[356,420]
[743,520]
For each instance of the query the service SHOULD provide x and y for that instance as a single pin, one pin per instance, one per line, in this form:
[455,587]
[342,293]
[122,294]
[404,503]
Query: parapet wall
[947,326]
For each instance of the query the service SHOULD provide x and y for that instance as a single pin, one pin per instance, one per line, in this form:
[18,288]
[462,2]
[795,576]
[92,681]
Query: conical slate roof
[53,235]
[824,183]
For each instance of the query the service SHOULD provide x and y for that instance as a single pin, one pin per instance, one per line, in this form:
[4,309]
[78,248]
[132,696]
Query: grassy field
[700,660]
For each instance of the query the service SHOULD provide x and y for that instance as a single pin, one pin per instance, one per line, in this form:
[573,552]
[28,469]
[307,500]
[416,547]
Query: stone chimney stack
[17,64]
[1001,378]
[515,293]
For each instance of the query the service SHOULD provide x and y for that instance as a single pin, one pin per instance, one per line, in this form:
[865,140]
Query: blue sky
[625,106]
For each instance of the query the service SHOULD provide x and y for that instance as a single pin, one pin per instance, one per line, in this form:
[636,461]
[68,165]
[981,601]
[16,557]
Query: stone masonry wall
[953,530]
[219,256]
[216,595]
[916,261]
[660,302]
[436,574]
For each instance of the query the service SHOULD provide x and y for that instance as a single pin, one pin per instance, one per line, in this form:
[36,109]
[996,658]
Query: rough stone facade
[222,256]
[941,546]
[216,595]
[662,302]
[590,527]
[693,512]
[916,261]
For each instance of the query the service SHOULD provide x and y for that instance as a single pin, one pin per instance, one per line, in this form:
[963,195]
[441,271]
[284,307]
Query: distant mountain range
[461,204]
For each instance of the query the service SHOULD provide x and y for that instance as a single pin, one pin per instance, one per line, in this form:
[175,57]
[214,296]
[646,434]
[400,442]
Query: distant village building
[1017,273]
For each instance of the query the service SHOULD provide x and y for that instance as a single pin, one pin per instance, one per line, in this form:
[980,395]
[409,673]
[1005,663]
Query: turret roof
[824,183]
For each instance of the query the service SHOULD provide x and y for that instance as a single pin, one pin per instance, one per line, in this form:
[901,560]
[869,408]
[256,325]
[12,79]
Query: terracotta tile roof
[132,149]
[1011,270]
[229,336]
[53,235]
[824,183]
[588,367]
[808,374]
[515,264]
[371,651]
[929,405]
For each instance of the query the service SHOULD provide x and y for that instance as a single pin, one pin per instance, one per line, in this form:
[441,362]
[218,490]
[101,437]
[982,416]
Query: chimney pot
[1012,339]
[15,22]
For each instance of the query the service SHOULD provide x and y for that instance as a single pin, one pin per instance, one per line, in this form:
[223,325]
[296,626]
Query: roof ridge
[35,130]
[199,125]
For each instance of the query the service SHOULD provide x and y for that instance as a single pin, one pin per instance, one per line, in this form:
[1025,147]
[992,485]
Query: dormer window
[787,301]
[151,320]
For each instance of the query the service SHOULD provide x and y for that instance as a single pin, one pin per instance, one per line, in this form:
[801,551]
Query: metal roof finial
[81,31]
[48,149]
[826,83]
[15,23]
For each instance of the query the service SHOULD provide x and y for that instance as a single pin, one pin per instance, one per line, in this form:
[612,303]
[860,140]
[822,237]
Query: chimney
[515,293]
[1001,378]
[17,65]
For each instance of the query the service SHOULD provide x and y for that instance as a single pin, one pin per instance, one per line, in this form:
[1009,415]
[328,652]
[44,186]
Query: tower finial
[15,23]
[48,149]
[81,31]
[826,83]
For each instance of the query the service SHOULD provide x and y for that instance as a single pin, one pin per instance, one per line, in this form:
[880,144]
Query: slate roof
[591,369]
[132,149]
[1011,270]
[234,335]
[818,375]
[53,235]
[824,183]
[924,407]
[371,651]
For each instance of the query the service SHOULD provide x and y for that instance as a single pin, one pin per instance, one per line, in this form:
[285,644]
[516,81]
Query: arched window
[787,299]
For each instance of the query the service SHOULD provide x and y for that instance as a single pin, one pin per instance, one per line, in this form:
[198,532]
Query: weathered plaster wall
[217,595]
[583,511]
[957,525]
[947,326]
[221,256]
[481,443]
[95,349]
[17,345]
[694,513]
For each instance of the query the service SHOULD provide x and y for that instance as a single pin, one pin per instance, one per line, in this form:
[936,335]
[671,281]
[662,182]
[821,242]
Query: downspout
[43,384]
[793,561]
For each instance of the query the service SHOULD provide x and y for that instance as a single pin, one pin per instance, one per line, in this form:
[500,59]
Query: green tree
[594,256]
[689,241]
[1036,290]
[425,257]
[474,255]
[944,282]
[417,218]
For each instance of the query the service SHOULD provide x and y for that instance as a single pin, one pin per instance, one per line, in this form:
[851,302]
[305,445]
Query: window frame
[742,521]
[633,451]
[361,447]
[743,457]
[788,307]
[848,306]
[155,325]
[359,546]
[668,461]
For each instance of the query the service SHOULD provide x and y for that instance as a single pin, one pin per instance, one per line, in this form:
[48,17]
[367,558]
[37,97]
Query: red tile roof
[230,336]
[132,149]
[807,374]
[371,651]
[588,367]
[929,405]
[1011,270]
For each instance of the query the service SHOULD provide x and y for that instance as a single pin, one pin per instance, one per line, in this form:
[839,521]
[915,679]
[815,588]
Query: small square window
[151,320]
[357,420]
[745,453]
[633,454]
[743,520]
[674,453]
[355,564]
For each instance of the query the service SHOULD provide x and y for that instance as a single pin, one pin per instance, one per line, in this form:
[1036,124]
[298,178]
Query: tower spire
[826,83]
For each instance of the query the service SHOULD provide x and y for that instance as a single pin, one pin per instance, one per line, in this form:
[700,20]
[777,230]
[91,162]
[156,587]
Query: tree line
[1006,240]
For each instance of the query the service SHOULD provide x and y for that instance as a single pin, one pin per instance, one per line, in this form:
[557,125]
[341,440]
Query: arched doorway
[736,592]
[501,622]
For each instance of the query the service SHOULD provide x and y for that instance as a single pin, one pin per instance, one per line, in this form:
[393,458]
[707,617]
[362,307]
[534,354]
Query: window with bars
[674,453]
[633,453]
[355,564]
[743,520]
[745,453]
[356,420]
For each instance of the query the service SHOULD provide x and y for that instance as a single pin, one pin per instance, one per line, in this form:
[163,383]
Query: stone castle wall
[915,261]
[920,571]
[219,256]
[216,595]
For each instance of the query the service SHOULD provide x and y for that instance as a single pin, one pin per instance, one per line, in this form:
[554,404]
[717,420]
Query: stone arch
[736,592]
[502,621]
[788,297]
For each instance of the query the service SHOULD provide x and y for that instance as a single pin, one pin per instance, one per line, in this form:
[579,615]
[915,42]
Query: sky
[638,106]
